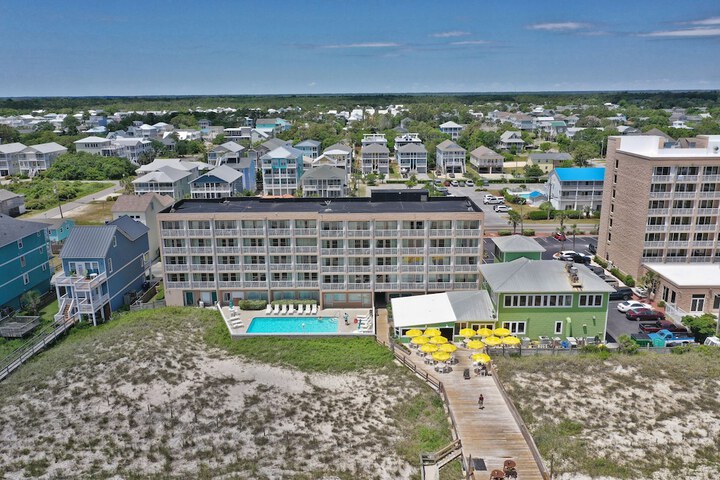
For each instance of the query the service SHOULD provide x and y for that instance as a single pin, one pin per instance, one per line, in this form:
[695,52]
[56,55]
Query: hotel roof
[387,201]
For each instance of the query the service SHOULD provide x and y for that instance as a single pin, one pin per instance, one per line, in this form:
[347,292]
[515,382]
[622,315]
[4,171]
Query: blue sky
[250,47]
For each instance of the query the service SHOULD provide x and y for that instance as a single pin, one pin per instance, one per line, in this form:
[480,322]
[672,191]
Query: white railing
[201,249]
[656,228]
[441,232]
[332,233]
[201,284]
[230,284]
[177,284]
[172,233]
[252,232]
[226,232]
[199,232]
[413,268]
[306,249]
[440,250]
[386,268]
[80,283]
[236,249]
[412,233]
[305,232]
[225,267]
[202,267]
[177,267]
[171,250]
[333,268]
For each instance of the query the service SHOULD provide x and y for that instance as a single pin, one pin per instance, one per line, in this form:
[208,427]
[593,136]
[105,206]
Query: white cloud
[470,42]
[706,21]
[450,34]
[697,32]
[558,27]
[312,84]
[363,45]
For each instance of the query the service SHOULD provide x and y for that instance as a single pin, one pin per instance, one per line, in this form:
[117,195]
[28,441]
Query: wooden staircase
[433,462]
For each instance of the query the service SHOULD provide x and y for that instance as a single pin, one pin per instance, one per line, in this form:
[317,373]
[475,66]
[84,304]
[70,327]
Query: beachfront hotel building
[344,252]
[661,206]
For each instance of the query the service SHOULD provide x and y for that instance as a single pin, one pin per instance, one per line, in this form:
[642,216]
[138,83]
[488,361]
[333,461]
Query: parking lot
[553,246]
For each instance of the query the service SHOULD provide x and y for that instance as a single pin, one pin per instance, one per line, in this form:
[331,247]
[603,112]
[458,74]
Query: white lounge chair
[237,324]
[276,309]
[307,309]
[314,309]
[291,310]
[283,310]
[268,309]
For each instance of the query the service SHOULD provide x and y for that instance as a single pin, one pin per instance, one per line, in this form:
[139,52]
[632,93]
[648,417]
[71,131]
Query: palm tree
[31,301]
[574,231]
[514,218]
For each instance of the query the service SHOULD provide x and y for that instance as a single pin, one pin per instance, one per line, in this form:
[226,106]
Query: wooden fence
[147,306]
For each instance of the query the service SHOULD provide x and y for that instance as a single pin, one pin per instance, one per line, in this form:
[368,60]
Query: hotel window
[255,277]
[687,171]
[558,327]
[697,303]
[225,224]
[660,170]
[682,204]
[252,224]
[680,221]
[685,187]
[229,277]
[517,328]
[678,237]
[305,224]
[253,242]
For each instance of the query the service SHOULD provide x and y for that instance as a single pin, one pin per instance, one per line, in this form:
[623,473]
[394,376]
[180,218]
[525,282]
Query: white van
[712,341]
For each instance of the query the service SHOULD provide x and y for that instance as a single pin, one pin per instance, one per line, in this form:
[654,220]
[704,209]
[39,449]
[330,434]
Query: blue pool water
[527,195]
[293,325]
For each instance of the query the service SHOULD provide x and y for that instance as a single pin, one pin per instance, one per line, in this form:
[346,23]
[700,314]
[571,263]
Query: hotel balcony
[202,267]
[171,250]
[199,232]
[177,267]
[236,249]
[173,233]
[177,284]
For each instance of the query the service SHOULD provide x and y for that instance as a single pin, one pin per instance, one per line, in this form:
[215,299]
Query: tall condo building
[347,252]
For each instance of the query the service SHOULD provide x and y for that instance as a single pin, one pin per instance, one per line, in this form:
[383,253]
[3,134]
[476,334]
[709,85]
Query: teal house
[24,259]
[513,247]
[59,228]
[550,298]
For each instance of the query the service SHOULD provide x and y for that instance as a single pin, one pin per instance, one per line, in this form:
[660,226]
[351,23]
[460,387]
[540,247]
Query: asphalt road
[617,324]
[79,202]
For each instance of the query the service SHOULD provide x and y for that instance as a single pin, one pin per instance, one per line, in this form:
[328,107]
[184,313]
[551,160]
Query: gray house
[324,181]
[11,204]
[485,160]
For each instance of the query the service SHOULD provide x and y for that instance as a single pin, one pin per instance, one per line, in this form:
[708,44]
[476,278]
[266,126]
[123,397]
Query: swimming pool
[293,325]
[529,195]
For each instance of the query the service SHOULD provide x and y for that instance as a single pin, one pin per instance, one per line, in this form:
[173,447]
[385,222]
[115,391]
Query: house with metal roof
[341,153]
[375,158]
[450,157]
[220,154]
[548,161]
[512,247]
[9,158]
[576,188]
[144,209]
[58,228]
[324,181]
[453,129]
[38,158]
[102,267]
[547,298]
[281,169]
[24,259]
[511,140]
[220,182]
[165,181]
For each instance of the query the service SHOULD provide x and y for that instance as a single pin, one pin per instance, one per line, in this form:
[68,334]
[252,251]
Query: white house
[412,158]
[324,181]
[281,168]
[220,182]
[485,160]
[453,129]
[222,154]
[165,181]
[375,157]
[340,152]
[576,188]
[38,158]
[450,157]
[9,158]
[511,139]
[94,145]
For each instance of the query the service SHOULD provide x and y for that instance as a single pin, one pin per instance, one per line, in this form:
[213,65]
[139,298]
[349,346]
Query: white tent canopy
[442,308]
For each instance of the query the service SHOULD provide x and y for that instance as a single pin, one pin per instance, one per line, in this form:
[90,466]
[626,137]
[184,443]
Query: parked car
[576,258]
[469,183]
[563,253]
[493,200]
[671,339]
[502,208]
[630,304]
[559,236]
[455,183]
[640,292]
[592,248]
[446,183]
[657,325]
[642,314]
[622,293]
[597,270]
[451,175]
[437,181]
[462,183]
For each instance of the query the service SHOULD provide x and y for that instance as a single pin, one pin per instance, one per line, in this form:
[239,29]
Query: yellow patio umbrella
[501,332]
[441,356]
[420,340]
[485,332]
[447,347]
[431,332]
[481,358]
[475,345]
[493,341]
[511,341]
[413,333]
[438,340]
[429,348]
[467,332]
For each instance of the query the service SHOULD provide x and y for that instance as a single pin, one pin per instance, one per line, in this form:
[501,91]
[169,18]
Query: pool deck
[246,316]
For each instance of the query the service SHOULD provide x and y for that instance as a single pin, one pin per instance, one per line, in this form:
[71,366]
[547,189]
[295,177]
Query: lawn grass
[47,316]
[329,355]
[94,213]
[84,189]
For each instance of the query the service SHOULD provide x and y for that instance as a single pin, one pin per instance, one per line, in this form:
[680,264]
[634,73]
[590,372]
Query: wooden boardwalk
[491,433]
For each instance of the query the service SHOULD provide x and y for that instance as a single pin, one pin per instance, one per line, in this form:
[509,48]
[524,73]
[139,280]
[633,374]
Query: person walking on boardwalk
[481,401]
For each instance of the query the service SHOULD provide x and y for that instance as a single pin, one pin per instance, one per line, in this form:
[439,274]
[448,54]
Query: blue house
[100,265]
[24,259]
[59,228]
[310,148]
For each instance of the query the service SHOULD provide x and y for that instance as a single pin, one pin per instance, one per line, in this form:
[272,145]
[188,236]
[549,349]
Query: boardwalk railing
[436,385]
[523,428]
[42,339]
[147,306]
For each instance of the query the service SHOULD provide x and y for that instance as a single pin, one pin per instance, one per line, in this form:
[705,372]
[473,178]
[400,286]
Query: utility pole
[57,194]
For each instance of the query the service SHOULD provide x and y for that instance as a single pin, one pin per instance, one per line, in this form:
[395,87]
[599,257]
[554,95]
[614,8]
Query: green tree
[412,182]
[701,327]
[8,134]
[31,301]
[545,146]
[533,171]
[70,125]
[184,121]
[651,280]
[514,219]
[85,166]
[573,231]
[219,139]
[584,151]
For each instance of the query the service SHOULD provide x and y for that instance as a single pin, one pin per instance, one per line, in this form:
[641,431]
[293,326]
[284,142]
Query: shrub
[528,233]
[701,327]
[629,281]
[251,304]
[661,304]
[627,345]
[505,233]
[540,215]
[600,261]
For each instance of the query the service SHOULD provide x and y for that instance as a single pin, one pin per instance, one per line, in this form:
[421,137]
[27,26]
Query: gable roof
[412,148]
[163,175]
[7,194]
[283,152]
[94,241]
[12,229]
[591,174]
[324,172]
[659,133]
[176,163]
[231,147]
[274,143]
[484,152]
[92,140]
[449,145]
[140,203]
[308,143]
[129,227]
[223,173]
[539,276]
[517,243]
[375,148]
[48,147]
[12,148]
[338,146]
[547,157]
[442,308]
[451,124]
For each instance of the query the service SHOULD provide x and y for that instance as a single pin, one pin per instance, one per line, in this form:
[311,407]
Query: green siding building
[24,259]
[513,247]
[548,298]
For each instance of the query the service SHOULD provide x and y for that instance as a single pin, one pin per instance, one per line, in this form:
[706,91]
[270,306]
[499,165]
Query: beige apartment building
[350,252]
[661,206]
